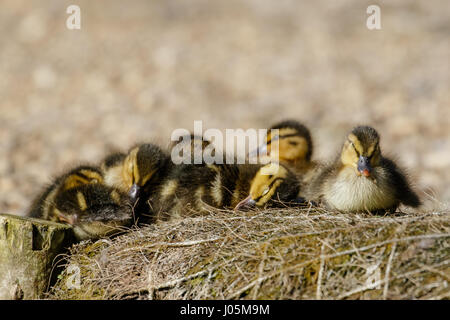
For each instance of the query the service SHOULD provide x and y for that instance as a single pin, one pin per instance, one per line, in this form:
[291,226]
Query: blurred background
[136,71]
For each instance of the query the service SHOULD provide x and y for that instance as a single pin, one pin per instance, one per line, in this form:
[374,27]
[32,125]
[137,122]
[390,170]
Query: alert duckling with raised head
[294,141]
[361,179]
[290,145]
[79,198]
[287,141]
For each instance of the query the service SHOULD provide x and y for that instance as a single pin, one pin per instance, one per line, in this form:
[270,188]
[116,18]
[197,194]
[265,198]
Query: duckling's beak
[70,219]
[134,192]
[245,204]
[364,166]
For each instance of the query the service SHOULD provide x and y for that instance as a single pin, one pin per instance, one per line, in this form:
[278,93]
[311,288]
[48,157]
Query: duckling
[361,179]
[191,190]
[273,185]
[293,143]
[292,146]
[189,149]
[80,198]
[93,210]
[134,173]
[84,174]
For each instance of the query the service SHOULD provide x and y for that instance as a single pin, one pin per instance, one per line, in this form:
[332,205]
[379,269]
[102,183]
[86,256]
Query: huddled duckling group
[144,185]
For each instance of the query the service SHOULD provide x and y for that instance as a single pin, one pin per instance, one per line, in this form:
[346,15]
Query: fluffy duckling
[293,143]
[189,149]
[80,199]
[84,174]
[134,173]
[93,210]
[273,185]
[361,179]
[191,189]
[291,146]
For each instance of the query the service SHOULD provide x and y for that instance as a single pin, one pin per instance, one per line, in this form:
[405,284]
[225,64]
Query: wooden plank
[28,248]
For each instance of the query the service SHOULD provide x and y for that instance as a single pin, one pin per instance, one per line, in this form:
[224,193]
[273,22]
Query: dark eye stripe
[373,151]
[354,147]
[257,199]
[276,179]
[82,176]
[270,187]
[284,136]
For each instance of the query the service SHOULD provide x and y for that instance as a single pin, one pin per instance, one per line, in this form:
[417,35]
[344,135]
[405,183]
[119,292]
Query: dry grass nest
[301,253]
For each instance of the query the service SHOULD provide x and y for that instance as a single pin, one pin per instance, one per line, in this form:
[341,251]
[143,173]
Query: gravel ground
[137,71]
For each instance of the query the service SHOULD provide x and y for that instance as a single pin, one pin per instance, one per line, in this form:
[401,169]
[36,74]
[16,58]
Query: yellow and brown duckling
[189,149]
[273,185]
[294,141]
[79,198]
[361,179]
[94,210]
[191,189]
[137,171]
[84,174]
[292,145]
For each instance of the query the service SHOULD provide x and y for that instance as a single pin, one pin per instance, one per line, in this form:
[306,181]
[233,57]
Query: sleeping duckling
[273,185]
[93,210]
[84,174]
[80,199]
[191,189]
[361,179]
[189,149]
[135,173]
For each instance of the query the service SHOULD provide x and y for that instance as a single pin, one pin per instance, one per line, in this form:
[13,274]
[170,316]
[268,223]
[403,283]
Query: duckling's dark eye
[270,176]
[293,143]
